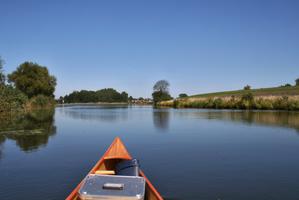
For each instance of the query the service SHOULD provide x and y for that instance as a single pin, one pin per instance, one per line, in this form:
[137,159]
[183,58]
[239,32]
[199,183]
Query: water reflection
[266,118]
[30,131]
[2,140]
[161,118]
[110,113]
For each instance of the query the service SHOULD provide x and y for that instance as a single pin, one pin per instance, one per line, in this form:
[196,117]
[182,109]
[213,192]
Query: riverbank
[246,101]
[275,98]
[13,100]
[97,103]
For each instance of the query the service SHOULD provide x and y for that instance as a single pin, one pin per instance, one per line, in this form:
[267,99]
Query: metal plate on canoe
[112,187]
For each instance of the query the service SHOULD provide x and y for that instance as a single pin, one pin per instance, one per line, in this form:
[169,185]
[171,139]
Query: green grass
[275,91]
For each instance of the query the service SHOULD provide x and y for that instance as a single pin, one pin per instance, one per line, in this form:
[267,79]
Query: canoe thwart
[105,172]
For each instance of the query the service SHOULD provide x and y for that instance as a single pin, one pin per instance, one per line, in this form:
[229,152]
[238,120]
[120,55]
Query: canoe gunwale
[106,156]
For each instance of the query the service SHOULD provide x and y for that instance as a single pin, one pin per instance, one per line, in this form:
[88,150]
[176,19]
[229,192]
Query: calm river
[186,153]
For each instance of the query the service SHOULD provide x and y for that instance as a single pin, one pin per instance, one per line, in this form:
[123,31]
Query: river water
[186,153]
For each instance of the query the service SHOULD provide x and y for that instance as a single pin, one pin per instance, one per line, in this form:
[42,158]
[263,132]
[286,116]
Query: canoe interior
[115,154]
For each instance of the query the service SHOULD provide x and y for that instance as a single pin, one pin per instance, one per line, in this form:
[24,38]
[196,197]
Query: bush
[175,103]
[282,103]
[247,97]
[218,103]
[11,99]
[183,95]
[232,103]
[40,101]
[247,87]
[266,104]
[161,96]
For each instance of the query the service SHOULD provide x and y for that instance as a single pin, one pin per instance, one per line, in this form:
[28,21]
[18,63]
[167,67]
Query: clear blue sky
[198,46]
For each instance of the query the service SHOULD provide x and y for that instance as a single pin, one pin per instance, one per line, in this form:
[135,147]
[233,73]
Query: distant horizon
[198,46]
[136,97]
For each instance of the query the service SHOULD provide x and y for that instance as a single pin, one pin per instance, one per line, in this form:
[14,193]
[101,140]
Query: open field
[275,91]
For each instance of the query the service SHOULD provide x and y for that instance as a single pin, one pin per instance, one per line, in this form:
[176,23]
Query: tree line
[109,95]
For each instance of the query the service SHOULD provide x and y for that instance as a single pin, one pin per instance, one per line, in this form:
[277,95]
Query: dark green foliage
[183,95]
[60,100]
[33,79]
[31,130]
[176,103]
[286,85]
[162,86]
[218,103]
[104,95]
[130,98]
[41,101]
[124,97]
[297,82]
[161,91]
[2,75]
[11,99]
[160,96]
[247,97]
[247,87]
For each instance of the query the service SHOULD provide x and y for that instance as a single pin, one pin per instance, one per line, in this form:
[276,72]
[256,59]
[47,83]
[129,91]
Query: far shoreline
[99,103]
[94,103]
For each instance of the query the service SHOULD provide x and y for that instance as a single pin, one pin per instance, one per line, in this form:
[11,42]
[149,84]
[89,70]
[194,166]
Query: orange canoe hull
[115,153]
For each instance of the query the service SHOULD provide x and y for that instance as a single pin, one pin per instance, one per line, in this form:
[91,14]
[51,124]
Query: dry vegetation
[260,99]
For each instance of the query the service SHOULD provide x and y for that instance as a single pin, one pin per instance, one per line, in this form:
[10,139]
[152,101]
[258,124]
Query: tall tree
[247,87]
[2,75]
[297,82]
[161,91]
[33,79]
[162,86]
[124,97]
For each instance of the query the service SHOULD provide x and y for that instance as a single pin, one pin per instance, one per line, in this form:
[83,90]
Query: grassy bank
[274,91]
[279,98]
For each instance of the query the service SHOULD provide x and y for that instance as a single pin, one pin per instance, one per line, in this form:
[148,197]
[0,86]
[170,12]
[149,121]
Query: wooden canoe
[114,154]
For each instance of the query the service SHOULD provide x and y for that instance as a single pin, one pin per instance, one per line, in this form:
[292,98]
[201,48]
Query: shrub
[281,103]
[183,95]
[175,103]
[11,99]
[40,101]
[161,96]
[266,104]
[247,97]
[293,105]
[247,87]
[257,104]
[218,103]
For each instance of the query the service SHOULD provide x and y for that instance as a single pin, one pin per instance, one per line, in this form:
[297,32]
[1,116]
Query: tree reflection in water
[105,113]
[30,131]
[2,140]
[161,118]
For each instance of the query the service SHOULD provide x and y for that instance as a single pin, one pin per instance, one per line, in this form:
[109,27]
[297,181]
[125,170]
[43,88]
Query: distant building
[142,101]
